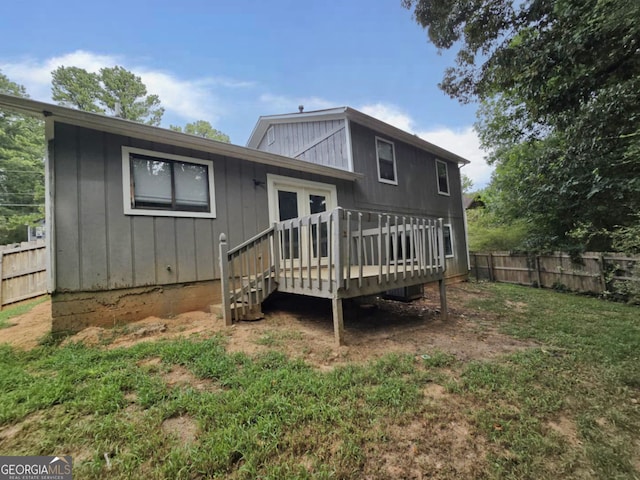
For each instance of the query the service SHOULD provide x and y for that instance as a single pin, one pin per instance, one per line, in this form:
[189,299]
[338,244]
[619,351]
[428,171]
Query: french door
[293,198]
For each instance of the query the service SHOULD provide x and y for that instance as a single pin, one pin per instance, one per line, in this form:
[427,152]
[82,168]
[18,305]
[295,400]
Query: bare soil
[302,327]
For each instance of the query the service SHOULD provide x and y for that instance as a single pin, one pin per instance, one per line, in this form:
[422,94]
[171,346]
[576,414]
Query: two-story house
[331,203]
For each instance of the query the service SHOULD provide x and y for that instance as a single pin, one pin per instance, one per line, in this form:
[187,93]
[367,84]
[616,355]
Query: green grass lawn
[567,408]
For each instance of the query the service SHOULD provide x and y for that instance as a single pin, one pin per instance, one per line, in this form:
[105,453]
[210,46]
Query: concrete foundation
[71,312]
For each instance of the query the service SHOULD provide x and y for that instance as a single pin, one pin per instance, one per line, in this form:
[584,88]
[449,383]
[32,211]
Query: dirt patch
[567,429]
[302,328]
[178,376]
[439,444]
[27,329]
[184,428]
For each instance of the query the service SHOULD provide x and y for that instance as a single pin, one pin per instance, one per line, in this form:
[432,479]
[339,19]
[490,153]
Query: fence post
[538,276]
[475,265]
[490,265]
[603,280]
[1,279]
[224,279]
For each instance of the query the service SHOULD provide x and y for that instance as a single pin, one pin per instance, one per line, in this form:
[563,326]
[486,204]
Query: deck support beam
[443,299]
[224,279]
[338,320]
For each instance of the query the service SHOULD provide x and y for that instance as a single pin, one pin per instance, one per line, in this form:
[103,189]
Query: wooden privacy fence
[592,272]
[23,271]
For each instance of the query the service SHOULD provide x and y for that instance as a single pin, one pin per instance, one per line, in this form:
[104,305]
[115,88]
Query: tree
[22,147]
[115,91]
[75,87]
[466,183]
[558,83]
[202,128]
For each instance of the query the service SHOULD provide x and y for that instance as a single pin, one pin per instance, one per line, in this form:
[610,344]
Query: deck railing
[340,253]
[248,274]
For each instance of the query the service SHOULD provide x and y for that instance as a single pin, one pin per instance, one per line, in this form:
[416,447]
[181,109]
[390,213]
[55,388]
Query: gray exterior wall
[416,192]
[305,141]
[97,247]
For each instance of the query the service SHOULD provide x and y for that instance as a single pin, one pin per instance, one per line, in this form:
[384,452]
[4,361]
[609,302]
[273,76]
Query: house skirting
[73,311]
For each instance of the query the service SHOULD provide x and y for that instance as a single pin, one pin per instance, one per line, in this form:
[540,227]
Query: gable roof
[351,114]
[128,128]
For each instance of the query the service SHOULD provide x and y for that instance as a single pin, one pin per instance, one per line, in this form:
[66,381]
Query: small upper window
[386,156]
[443,177]
[166,185]
[271,135]
[448,241]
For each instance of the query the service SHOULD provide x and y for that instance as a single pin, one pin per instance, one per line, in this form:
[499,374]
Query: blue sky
[229,62]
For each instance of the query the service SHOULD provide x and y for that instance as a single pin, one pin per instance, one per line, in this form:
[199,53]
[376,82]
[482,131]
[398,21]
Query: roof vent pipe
[300,108]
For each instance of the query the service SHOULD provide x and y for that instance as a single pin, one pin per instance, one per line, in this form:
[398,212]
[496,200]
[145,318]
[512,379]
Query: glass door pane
[318,204]
[287,209]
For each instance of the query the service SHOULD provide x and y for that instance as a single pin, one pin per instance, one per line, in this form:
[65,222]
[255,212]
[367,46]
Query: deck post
[337,249]
[443,299]
[276,252]
[338,320]
[224,279]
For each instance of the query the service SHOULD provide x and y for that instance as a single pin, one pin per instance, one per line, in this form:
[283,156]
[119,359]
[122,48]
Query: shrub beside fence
[592,272]
[23,271]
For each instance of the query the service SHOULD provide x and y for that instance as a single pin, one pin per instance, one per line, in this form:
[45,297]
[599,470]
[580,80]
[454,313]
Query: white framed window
[386,160]
[271,135]
[447,235]
[163,184]
[442,177]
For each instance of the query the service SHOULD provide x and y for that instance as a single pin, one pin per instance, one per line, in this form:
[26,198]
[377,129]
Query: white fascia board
[128,128]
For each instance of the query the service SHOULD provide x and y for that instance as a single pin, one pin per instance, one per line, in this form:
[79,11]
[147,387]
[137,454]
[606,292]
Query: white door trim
[279,182]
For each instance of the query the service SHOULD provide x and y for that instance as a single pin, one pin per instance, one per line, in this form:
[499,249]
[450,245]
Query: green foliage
[467,184]
[22,149]
[202,128]
[559,86]
[115,91]
[487,232]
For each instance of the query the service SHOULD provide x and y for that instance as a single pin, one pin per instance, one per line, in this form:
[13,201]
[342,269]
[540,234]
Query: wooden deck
[337,255]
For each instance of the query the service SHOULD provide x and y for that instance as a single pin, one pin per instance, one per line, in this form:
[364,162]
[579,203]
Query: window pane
[287,204]
[192,186]
[152,182]
[443,183]
[385,151]
[386,170]
[317,204]
[448,245]
[288,208]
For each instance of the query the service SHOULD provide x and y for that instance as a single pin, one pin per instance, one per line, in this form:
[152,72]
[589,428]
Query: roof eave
[397,133]
[120,126]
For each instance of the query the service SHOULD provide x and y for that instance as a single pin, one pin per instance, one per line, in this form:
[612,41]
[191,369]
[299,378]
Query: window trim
[395,166]
[127,192]
[453,252]
[446,170]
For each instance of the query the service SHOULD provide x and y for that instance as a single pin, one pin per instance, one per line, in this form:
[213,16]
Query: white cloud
[463,141]
[35,75]
[389,114]
[189,99]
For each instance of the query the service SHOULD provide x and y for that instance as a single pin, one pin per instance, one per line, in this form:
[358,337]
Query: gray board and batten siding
[417,189]
[416,192]
[98,247]
[323,142]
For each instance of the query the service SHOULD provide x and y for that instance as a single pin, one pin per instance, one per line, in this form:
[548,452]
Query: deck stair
[338,254]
